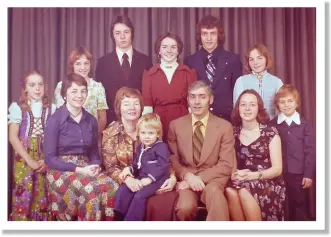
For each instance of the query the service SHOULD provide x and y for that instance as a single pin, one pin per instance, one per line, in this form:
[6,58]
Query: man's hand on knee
[195,182]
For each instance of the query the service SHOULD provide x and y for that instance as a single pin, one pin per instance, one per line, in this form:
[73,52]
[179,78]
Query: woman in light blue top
[257,62]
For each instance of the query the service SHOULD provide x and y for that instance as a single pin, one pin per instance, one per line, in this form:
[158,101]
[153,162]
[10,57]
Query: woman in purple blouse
[77,188]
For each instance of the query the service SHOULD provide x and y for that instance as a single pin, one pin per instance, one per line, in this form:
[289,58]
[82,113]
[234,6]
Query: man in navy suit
[122,67]
[218,67]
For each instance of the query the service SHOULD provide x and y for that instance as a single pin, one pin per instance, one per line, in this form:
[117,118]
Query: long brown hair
[262,115]
[23,100]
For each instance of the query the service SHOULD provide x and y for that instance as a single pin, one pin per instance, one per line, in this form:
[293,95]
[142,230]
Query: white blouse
[15,112]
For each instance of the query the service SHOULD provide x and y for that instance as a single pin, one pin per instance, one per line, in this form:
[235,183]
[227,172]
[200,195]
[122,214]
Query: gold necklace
[74,116]
[250,129]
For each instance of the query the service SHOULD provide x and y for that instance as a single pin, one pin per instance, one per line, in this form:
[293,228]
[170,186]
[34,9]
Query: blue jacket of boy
[152,162]
[298,147]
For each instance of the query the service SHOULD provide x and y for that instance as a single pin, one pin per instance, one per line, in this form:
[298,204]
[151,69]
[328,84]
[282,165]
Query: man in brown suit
[202,147]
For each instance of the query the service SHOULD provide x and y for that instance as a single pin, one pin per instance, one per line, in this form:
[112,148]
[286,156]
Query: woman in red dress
[164,86]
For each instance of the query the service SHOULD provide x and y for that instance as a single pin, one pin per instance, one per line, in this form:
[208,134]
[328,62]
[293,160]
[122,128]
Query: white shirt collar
[294,118]
[120,53]
[168,66]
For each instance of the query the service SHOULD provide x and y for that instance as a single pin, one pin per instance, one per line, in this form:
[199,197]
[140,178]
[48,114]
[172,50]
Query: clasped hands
[90,170]
[240,175]
[133,184]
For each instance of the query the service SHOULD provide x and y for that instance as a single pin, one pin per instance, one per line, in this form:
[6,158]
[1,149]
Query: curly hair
[210,22]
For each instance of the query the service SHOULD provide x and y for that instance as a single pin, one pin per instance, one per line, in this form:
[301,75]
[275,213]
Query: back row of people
[165,85]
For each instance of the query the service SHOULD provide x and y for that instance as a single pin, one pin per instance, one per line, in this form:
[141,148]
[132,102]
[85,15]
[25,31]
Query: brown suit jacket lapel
[187,138]
[211,137]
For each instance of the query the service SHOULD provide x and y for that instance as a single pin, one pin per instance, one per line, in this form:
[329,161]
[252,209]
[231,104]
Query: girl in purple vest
[27,120]
[298,150]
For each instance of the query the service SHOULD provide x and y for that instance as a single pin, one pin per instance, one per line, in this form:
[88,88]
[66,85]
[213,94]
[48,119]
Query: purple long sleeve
[63,136]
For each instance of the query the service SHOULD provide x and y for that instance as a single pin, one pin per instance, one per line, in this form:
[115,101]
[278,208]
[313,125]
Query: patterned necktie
[197,142]
[126,65]
[210,68]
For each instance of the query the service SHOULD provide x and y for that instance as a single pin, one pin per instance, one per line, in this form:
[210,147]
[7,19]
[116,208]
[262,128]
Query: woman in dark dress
[164,86]
[256,191]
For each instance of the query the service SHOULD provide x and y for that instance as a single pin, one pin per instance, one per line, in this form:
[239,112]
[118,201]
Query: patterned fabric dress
[29,192]
[269,193]
[79,197]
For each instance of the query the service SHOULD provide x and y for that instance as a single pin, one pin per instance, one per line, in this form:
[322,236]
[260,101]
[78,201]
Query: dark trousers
[297,197]
[132,205]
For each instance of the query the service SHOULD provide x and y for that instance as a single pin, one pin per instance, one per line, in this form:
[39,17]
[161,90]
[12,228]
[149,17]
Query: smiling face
[82,66]
[35,87]
[248,107]
[169,50]
[287,105]
[122,36]
[76,95]
[199,101]
[257,62]
[209,39]
[130,109]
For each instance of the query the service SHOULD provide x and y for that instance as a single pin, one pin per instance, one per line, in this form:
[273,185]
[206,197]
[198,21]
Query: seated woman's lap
[75,196]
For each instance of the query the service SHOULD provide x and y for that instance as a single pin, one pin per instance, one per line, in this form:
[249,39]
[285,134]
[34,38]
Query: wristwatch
[260,175]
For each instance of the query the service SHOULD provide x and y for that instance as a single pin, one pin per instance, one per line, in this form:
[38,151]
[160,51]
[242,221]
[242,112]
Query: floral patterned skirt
[269,194]
[29,189]
[78,197]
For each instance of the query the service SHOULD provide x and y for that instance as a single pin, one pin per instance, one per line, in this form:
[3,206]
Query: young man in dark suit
[122,67]
[218,67]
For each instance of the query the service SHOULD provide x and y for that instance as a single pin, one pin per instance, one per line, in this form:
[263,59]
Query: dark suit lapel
[115,66]
[222,64]
[212,134]
[134,63]
[201,66]
[187,138]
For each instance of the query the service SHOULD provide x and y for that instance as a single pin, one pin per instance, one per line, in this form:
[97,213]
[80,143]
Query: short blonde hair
[150,120]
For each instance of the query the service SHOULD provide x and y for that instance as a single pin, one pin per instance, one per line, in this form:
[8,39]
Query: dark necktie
[197,142]
[210,68]
[126,65]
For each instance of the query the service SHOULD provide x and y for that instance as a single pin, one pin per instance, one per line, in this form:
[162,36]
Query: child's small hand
[125,172]
[133,184]
[146,181]
[307,183]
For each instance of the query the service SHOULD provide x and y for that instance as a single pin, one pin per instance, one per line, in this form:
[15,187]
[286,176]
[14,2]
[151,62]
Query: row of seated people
[202,151]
